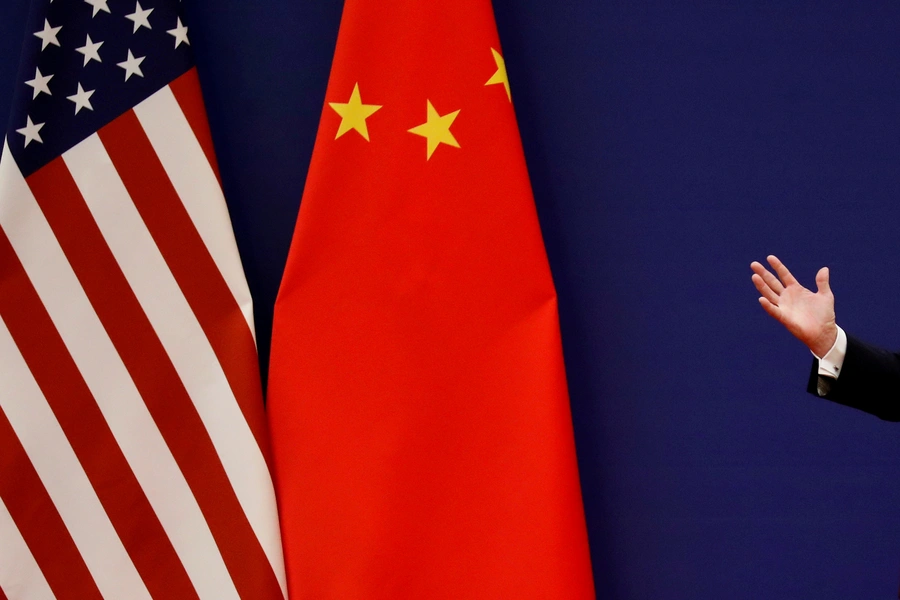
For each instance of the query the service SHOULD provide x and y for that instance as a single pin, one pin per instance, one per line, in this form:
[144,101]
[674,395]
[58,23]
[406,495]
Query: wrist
[823,343]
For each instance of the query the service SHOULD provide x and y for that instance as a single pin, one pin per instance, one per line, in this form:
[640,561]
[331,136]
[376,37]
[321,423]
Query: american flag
[134,458]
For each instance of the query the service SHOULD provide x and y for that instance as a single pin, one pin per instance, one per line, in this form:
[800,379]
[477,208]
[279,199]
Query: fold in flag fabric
[134,453]
[420,420]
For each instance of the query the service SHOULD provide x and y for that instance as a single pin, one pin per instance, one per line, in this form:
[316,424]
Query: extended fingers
[770,280]
[781,270]
[770,308]
[822,284]
[763,288]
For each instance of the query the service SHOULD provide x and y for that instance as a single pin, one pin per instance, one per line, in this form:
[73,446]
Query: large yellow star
[500,75]
[436,129]
[354,114]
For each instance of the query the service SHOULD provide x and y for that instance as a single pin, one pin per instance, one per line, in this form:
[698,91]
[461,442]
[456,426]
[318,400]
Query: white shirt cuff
[830,364]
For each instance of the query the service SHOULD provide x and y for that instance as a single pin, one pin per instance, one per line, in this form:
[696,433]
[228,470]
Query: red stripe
[72,403]
[189,97]
[155,377]
[35,516]
[190,262]
[2,595]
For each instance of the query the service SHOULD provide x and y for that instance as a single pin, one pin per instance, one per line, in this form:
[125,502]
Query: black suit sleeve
[869,380]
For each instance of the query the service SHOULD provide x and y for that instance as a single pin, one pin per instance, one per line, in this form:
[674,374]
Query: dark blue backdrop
[668,147]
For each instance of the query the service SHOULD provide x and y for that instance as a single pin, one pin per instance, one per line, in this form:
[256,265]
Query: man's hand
[807,315]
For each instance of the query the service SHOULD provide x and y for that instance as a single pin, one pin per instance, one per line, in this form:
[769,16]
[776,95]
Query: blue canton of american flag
[134,456]
[87,62]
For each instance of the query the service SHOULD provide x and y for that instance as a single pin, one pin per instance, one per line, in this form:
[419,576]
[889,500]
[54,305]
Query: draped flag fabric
[421,430]
[134,457]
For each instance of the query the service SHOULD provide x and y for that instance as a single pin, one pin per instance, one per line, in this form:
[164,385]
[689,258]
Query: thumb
[822,280]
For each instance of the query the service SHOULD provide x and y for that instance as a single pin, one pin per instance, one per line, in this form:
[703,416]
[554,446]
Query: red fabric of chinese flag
[422,436]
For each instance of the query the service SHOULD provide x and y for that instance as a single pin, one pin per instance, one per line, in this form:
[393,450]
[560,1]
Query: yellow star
[354,114]
[500,75]
[437,129]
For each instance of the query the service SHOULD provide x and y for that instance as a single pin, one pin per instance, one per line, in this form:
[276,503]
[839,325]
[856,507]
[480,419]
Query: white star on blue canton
[82,99]
[132,65]
[48,35]
[98,6]
[39,83]
[30,131]
[90,50]
[179,33]
[139,17]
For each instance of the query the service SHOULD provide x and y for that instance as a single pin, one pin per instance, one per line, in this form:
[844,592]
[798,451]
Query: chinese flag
[422,436]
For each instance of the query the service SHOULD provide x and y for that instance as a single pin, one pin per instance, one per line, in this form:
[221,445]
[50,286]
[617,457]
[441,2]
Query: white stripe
[183,158]
[182,337]
[20,576]
[66,482]
[111,385]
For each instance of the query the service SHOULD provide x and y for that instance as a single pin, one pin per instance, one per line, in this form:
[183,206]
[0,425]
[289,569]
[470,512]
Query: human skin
[808,315]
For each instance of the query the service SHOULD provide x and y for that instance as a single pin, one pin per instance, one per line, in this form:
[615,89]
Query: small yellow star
[500,75]
[354,114]
[436,129]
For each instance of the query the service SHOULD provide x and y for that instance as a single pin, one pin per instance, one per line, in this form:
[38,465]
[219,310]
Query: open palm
[806,314]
